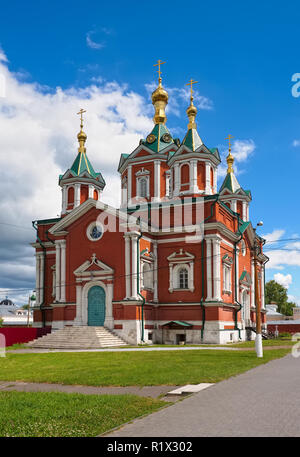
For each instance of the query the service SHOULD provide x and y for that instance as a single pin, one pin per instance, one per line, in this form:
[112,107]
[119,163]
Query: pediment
[94,267]
[181,256]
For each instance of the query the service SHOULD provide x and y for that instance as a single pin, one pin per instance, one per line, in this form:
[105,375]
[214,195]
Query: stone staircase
[78,338]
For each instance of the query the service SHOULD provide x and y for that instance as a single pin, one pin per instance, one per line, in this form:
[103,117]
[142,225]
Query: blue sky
[243,54]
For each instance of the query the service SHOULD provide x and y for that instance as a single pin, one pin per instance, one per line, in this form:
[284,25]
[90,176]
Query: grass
[54,414]
[266,343]
[131,368]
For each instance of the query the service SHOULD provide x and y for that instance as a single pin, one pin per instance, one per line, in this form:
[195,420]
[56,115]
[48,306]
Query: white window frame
[142,174]
[227,272]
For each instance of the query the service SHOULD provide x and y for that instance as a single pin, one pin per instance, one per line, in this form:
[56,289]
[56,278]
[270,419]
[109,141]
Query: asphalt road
[263,402]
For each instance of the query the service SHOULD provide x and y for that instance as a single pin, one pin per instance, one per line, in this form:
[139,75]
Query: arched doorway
[96,306]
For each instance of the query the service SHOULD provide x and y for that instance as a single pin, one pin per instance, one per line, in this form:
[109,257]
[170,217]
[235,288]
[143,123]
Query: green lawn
[52,414]
[266,343]
[131,368]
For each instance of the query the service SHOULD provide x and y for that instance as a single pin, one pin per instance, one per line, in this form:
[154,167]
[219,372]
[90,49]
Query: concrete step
[78,338]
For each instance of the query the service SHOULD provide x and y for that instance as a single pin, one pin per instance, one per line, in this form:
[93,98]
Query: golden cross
[81,118]
[191,84]
[159,63]
[229,138]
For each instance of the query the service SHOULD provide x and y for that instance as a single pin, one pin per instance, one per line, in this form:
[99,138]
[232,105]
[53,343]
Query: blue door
[96,306]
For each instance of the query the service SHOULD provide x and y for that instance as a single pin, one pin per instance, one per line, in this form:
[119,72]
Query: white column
[191,277]
[129,184]
[208,269]
[217,268]
[155,273]
[233,205]
[171,287]
[176,180]
[77,195]
[244,211]
[78,318]
[42,266]
[134,267]
[37,278]
[57,271]
[252,284]
[215,180]
[127,265]
[193,177]
[109,320]
[207,178]
[237,275]
[91,191]
[156,180]
[63,271]
[63,200]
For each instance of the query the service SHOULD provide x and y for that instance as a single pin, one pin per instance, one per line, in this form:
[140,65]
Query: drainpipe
[236,286]
[44,251]
[138,283]
[202,267]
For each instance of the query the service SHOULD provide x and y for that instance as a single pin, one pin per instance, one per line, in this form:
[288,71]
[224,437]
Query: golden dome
[191,113]
[160,95]
[160,99]
[230,161]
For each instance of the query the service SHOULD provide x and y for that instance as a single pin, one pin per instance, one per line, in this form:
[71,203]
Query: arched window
[183,277]
[96,194]
[70,195]
[147,276]
[143,187]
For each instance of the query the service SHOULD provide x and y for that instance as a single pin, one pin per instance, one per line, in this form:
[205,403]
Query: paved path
[264,401]
[146,391]
[188,348]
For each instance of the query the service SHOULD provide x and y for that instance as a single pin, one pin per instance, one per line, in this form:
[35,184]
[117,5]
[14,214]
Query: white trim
[91,226]
[58,270]
[84,302]
[156,180]
[208,268]
[127,266]
[63,271]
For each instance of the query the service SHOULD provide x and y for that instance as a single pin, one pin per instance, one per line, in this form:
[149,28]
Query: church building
[175,263]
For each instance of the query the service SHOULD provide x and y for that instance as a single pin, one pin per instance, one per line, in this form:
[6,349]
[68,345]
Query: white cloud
[179,99]
[91,43]
[284,280]
[38,129]
[296,143]
[274,236]
[294,299]
[241,151]
[3,57]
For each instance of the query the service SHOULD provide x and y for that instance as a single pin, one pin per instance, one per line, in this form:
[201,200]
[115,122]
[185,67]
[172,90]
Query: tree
[275,292]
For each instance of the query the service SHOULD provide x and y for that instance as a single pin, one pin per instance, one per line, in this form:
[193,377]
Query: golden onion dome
[160,94]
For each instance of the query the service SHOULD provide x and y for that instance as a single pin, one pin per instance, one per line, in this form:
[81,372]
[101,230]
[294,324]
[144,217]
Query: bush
[284,335]
[1,322]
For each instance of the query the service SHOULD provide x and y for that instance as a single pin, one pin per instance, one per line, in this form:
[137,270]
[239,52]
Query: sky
[58,57]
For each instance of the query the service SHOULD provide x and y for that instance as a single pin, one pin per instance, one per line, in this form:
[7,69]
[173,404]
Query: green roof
[181,323]
[243,227]
[161,142]
[192,140]
[231,183]
[82,164]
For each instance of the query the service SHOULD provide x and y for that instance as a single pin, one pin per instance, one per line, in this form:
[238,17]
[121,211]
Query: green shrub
[284,335]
